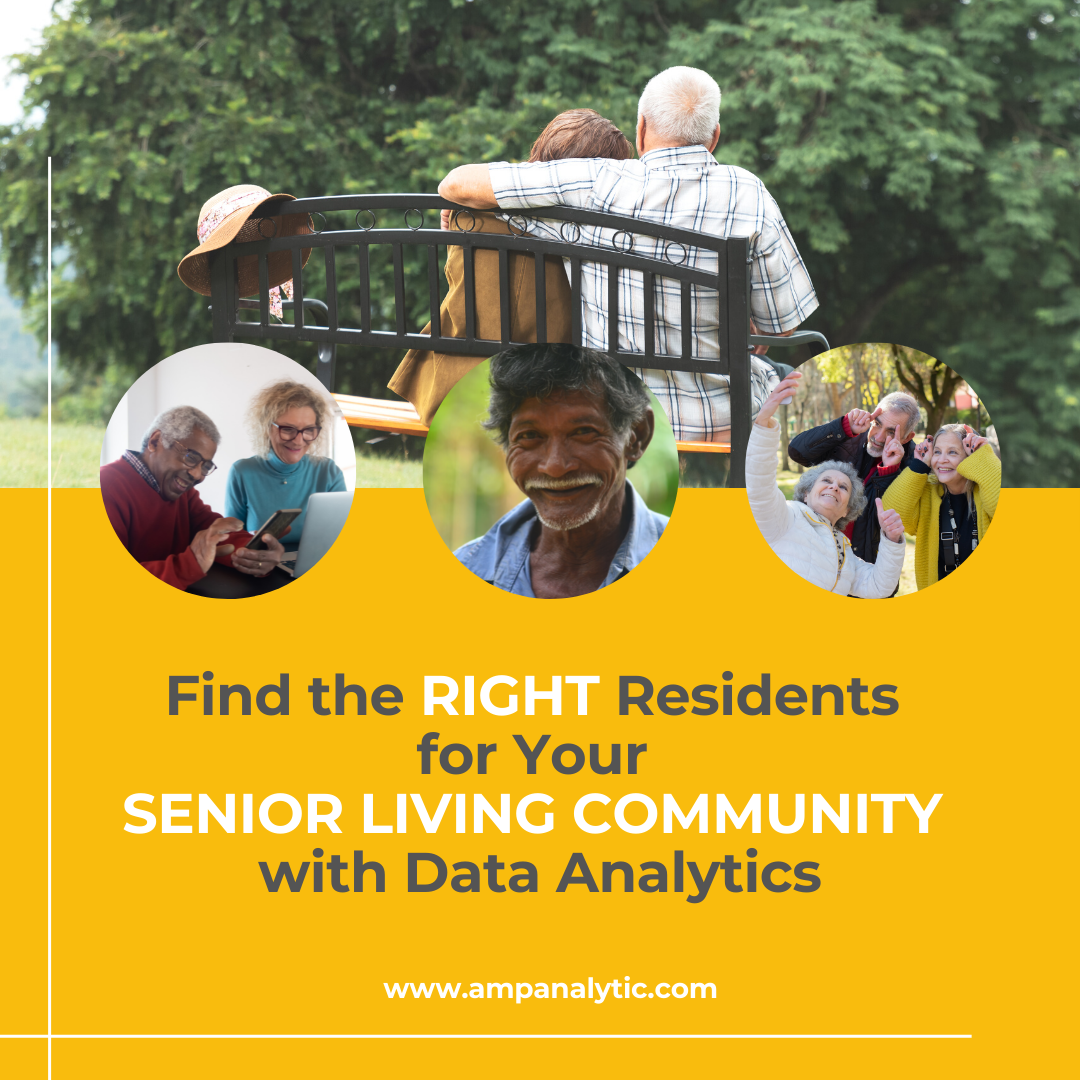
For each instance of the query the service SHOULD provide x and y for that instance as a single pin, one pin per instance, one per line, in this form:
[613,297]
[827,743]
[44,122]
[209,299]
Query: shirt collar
[640,538]
[696,154]
[502,555]
[134,459]
[819,519]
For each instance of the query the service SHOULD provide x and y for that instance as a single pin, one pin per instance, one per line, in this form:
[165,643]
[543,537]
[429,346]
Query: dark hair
[581,133]
[541,371]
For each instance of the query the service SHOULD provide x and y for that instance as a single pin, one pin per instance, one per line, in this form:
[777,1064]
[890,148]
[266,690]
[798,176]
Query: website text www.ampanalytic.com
[595,990]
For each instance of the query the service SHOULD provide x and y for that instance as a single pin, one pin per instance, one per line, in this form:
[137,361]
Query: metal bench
[731,283]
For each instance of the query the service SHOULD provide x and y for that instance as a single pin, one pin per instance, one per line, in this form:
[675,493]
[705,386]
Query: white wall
[220,379]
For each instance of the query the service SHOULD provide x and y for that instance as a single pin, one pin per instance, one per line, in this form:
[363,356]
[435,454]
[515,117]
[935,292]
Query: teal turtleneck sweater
[260,485]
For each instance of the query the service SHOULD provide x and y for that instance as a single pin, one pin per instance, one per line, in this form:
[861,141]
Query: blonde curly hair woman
[288,422]
[947,497]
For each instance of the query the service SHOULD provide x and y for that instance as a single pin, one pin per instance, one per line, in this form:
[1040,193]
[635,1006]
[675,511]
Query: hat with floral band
[227,216]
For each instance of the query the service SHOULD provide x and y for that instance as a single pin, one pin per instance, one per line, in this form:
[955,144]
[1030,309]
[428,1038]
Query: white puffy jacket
[803,539]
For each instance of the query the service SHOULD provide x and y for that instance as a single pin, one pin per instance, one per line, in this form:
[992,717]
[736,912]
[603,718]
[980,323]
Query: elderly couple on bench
[583,160]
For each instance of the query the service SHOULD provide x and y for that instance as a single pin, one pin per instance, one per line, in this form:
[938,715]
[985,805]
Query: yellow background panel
[23,768]
[24,1059]
[960,930]
[180,1059]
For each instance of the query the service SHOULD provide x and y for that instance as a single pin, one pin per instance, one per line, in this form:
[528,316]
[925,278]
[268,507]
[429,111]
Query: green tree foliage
[933,384]
[925,155]
[859,376]
[22,365]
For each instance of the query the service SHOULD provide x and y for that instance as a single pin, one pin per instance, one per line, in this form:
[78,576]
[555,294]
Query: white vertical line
[48,628]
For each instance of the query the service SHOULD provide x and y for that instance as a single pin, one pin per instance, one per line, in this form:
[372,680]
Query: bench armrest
[799,337]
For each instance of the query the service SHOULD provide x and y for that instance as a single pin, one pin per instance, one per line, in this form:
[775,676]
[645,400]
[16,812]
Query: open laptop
[327,512]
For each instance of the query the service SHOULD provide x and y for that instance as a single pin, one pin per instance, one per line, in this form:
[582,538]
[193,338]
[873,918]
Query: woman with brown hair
[424,378]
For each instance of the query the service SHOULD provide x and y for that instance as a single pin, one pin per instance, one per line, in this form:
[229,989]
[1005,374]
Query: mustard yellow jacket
[918,503]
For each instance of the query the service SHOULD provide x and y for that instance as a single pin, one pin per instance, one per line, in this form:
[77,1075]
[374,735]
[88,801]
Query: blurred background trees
[859,376]
[925,155]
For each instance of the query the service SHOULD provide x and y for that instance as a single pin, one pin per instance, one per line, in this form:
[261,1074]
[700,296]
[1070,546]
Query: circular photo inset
[550,471]
[227,470]
[873,470]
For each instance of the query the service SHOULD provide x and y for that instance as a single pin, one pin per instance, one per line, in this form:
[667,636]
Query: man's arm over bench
[469,185]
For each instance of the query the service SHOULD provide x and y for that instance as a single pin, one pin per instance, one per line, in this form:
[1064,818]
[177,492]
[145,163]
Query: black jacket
[831,443]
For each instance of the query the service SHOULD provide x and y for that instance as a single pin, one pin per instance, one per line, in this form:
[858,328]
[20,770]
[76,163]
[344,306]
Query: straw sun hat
[229,216]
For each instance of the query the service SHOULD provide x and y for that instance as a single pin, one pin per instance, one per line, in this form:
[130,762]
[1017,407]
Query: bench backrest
[374,222]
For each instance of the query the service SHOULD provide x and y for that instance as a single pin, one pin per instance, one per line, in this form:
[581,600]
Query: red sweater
[158,532]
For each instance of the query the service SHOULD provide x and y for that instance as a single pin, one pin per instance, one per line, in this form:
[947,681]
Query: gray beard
[555,485]
[573,523]
[874,451]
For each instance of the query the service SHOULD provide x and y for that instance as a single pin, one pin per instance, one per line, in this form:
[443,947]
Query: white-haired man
[675,181]
[877,444]
[152,504]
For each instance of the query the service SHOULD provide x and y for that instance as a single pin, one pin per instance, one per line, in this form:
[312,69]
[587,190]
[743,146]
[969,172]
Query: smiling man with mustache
[571,421]
[152,503]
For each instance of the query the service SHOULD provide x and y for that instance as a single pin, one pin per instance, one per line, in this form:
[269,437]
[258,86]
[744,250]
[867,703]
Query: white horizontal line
[527,1035]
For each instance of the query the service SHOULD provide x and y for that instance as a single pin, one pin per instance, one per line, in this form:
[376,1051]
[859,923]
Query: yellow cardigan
[918,503]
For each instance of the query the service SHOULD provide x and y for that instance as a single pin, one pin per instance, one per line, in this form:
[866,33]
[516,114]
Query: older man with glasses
[152,503]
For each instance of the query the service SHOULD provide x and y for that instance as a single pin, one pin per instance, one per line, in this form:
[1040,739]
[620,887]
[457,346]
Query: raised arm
[767,502]
[982,466]
[904,494]
[469,185]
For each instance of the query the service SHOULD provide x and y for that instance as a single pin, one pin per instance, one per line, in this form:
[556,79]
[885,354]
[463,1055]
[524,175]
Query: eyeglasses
[289,433]
[192,459]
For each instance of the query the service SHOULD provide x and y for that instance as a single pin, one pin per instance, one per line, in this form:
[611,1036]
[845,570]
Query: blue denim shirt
[501,555]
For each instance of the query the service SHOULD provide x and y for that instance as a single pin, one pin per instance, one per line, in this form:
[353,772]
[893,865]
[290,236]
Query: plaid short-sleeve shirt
[682,186]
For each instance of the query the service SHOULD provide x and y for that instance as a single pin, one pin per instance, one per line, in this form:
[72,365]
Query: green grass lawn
[76,453]
[387,472]
[23,453]
[76,450]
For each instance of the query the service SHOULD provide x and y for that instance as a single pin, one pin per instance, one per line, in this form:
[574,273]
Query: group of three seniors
[867,484]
